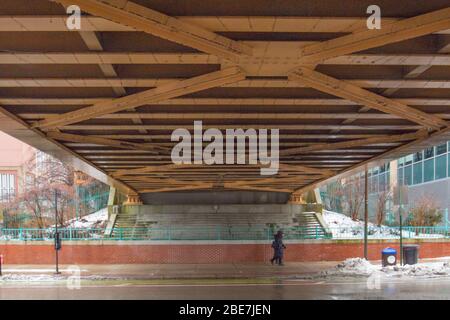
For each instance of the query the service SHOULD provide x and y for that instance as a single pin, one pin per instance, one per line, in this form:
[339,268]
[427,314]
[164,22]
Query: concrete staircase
[217,226]
[124,226]
[310,225]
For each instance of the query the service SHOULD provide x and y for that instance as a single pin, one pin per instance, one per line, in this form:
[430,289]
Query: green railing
[187,233]
[385,232]
[221,233]
[90,203]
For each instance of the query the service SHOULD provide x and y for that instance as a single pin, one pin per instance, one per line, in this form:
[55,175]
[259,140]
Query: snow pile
[17,277]
[342,226]
[351,267]
[432,269]
[31,278]
[95,220]
[359,267]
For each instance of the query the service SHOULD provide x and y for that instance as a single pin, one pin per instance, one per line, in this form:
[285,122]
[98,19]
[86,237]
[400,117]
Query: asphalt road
[413,289]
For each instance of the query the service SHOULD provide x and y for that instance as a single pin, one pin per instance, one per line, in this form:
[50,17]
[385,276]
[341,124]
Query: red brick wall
[199,253]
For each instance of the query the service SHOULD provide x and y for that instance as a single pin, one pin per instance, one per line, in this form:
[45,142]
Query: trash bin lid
[410,246]
[389,251]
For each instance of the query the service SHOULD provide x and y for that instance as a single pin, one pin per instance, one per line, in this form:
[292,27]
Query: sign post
[401,198]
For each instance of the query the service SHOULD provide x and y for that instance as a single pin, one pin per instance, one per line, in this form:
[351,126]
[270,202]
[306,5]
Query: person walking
[274,247]
[278,248]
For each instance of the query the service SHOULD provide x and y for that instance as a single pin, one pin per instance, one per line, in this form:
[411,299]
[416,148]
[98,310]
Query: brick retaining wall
[109,252]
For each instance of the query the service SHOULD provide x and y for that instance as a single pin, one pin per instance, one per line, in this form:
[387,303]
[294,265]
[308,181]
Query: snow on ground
[343,227]
[358,267]
[351,267]
[17,277]
[94,220]
[430,269]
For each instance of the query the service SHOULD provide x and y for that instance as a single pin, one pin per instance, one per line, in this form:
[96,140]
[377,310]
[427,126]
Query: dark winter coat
[279,247]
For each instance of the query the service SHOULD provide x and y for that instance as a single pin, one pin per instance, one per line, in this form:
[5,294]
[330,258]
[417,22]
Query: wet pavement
[337,289]
[207,281]
[180,271]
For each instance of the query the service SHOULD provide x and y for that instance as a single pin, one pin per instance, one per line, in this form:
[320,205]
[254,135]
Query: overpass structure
[106,97]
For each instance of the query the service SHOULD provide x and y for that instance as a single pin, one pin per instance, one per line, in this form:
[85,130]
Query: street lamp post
[57,237]
[366,214]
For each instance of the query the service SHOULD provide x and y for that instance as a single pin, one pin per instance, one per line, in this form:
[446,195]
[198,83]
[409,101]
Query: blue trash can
[388,257]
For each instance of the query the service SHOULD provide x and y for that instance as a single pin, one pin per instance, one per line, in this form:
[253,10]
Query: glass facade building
[425,166]
[379,178]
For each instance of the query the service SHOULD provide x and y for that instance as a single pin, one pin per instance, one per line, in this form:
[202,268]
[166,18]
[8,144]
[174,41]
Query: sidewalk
[179,271]
[188,271]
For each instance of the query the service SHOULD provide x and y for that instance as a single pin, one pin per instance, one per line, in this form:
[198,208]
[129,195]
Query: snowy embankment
[94,220]
[354,267]
[343,227]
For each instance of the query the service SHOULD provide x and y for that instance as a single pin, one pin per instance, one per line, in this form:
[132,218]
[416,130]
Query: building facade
[422,174]
[13,157]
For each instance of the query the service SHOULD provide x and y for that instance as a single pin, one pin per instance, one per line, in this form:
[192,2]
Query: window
[428,170]
[418,169]
[408,175]
[7,186]
[371,185]
[429,152]
[400,176]
[375,184]
[441,149]
[448,165]
[418,156]
[441,167]
[408,159]
[382,185]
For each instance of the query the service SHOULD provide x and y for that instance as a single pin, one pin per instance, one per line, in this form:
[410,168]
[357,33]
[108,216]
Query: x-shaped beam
[147,20]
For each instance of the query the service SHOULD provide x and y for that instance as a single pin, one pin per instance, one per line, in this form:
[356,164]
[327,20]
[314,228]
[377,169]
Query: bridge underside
[110,94]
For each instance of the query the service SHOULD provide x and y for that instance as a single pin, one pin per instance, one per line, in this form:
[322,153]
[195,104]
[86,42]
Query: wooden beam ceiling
[274,56]
[152,148]
[163,92]
[256,83]
[349,91]
[365,39]
[354,143]
[147,20]
[129,136]
[269,102]
[273,24]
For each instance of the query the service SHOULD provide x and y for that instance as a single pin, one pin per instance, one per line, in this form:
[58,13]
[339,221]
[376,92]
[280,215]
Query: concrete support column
[295,199]
[133,199]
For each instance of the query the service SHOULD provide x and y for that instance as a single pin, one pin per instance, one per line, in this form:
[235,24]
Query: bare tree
[353,195]
[335,194]
[43,178]
[425,212]
[383,197]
